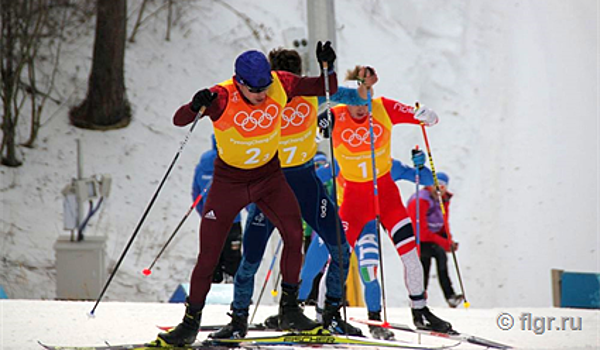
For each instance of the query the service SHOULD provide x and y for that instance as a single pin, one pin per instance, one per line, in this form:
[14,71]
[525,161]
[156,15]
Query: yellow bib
[298,130]
[248,136]
[352,143]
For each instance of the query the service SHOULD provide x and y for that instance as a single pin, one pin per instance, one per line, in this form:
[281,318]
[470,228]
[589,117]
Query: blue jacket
[401,171]
[203,176]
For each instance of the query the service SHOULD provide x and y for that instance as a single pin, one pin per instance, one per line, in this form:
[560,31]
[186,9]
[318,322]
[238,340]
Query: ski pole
[147,210]
[148,271]
[417,180]
[274,292]
[376,199]
[441,203]
[338,229]
[266,279]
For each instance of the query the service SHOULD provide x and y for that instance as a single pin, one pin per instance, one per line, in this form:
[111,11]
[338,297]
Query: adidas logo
[210,215]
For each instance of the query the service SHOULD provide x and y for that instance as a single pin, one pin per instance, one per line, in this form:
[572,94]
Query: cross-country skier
[436,239]
[246,112]
[297,148]
[366,250]
[352,150]
[232,251]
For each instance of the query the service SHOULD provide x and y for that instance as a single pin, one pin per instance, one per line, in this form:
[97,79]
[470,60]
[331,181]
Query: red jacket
[293,85]
[427,204]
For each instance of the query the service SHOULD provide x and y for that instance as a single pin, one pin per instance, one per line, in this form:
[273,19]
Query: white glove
[426,116]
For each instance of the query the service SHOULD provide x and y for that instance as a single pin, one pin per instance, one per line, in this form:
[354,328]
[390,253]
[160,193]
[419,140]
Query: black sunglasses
[257,90]
[253,89]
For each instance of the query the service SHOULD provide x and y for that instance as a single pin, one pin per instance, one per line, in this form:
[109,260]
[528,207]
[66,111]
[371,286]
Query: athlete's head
[354,78]
[253,76]
[443,180]
[320,160]
[286,60]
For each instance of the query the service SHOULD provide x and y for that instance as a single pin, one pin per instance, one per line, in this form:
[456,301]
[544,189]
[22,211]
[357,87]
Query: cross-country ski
[453,335]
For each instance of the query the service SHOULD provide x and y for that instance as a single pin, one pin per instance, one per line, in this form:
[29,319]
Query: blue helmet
[253,69]
[443,178]
[320,160]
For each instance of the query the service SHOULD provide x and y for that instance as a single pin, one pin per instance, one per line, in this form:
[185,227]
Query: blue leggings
[315,259]
[318,211]
[367,253]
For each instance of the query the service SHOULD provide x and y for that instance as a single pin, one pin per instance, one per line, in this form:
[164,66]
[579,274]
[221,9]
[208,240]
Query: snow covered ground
[515,84]
[67,323]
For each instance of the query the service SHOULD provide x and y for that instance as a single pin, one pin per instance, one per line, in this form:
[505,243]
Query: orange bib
[352,143]
[298,131]
[248,136]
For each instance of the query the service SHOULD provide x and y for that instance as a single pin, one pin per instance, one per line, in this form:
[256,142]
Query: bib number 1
[363,167]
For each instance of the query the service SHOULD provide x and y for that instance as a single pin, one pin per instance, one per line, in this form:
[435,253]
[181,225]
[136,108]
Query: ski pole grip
[415,151]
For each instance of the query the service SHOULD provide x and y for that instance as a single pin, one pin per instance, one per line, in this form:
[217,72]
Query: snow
[67,323]
[515,84]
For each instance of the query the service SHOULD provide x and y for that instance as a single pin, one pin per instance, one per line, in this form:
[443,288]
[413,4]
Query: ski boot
[424,319]
[454,300]
[272,322]
[379,332]
[186,332]
[291,316]
[237,328]
[333,322]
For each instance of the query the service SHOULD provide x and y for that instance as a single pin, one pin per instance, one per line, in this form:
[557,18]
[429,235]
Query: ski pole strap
[417,297]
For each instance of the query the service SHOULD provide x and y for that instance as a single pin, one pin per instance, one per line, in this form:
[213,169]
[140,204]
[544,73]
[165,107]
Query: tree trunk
[106,106]
[9,73]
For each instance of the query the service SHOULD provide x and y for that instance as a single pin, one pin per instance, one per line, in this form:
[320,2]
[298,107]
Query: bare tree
[169,19]
[21,25]
[38,98]
[106,106]
[31,35]
[138,22]
[142,19]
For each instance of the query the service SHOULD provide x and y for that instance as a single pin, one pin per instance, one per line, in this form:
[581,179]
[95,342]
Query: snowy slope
[66,323]
[514,83]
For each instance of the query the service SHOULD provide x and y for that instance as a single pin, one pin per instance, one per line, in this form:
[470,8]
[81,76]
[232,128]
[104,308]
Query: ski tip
[44,345]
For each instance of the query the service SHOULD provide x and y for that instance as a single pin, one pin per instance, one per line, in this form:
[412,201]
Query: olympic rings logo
[294,116]
[257,118]
[361,135]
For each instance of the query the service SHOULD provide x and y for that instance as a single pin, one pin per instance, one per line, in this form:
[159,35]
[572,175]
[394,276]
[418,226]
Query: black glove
[325,53]
[323,123]
[418,158]
[202,98]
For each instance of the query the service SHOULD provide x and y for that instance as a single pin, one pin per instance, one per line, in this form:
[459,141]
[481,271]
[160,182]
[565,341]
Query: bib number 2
[255,156]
